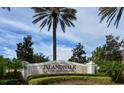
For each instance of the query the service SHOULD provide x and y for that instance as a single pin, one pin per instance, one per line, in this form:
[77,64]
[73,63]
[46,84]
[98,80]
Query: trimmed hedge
[50,75]
[9,82]
[59,79]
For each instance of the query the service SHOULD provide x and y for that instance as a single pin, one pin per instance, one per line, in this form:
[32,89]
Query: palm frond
[39,14]
[111,13]
[64,16]
[49,22]
[38,9]
[39,18]
[43,24]
[118,17]
[8,8]
[62,25]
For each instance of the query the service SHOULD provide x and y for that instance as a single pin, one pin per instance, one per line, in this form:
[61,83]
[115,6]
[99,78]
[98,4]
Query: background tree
[110,51]
[24,50]
[113,48]
[3,66]
[52,16]
[79,55]
[108,57]
[98,54]
[16,65]
[111,13]
[38,58]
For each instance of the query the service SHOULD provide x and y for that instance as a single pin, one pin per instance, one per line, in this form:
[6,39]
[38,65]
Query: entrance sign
[58,67]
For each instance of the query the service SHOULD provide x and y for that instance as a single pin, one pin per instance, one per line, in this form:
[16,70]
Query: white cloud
[63,52]
[21,25]
[8,53]
[16,24]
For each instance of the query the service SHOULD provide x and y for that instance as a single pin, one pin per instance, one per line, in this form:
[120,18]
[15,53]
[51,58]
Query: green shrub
[49,75]
[58,79]
[3,66]
[12,75]
[2,70]
[112,68]
[9,82]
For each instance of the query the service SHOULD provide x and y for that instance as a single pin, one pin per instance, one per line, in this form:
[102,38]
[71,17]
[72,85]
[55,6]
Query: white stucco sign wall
[58,67]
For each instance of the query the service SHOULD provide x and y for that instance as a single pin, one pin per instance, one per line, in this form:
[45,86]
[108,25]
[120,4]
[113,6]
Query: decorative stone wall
[58,67]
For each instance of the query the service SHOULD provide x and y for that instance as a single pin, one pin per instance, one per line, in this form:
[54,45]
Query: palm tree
[8,8]
[111,13]
[16,65]
[52,16]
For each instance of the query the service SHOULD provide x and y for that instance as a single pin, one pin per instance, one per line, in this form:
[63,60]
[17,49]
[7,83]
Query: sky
[17,23]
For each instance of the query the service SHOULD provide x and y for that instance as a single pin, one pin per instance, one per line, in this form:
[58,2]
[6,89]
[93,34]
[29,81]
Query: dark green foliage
[111,13]
[38,58]
[15,65]
[79,55]
[2,70]
[10,71]
[108,57]
[24,50]
[8,8]
[9,82]
[98,54]
[11,75]
[18,76]
[59,79]
[3,66]
[112,68]
[112,48]
[13,68]
[110,51]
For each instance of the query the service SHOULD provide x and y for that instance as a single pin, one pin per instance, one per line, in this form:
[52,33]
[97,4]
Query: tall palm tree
[52,16]
[111,13]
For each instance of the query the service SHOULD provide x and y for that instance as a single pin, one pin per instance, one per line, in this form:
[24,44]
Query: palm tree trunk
[54,38]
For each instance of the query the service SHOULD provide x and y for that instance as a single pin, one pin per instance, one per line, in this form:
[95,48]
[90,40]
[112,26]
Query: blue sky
[17,23]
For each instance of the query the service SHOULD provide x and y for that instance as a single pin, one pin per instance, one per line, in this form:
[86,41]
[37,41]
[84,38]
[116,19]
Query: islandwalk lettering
[59,68]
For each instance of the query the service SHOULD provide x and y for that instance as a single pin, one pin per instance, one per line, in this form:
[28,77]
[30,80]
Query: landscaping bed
[50,75]
[71,80]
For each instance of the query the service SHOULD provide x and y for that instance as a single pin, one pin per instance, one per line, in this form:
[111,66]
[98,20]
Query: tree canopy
[79,55]
[25,52]
[110,51]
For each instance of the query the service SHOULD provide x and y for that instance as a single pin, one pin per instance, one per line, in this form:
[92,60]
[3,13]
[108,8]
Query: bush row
[12,78]
[58,79]
[49,75]
[9,82]
[12,75]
